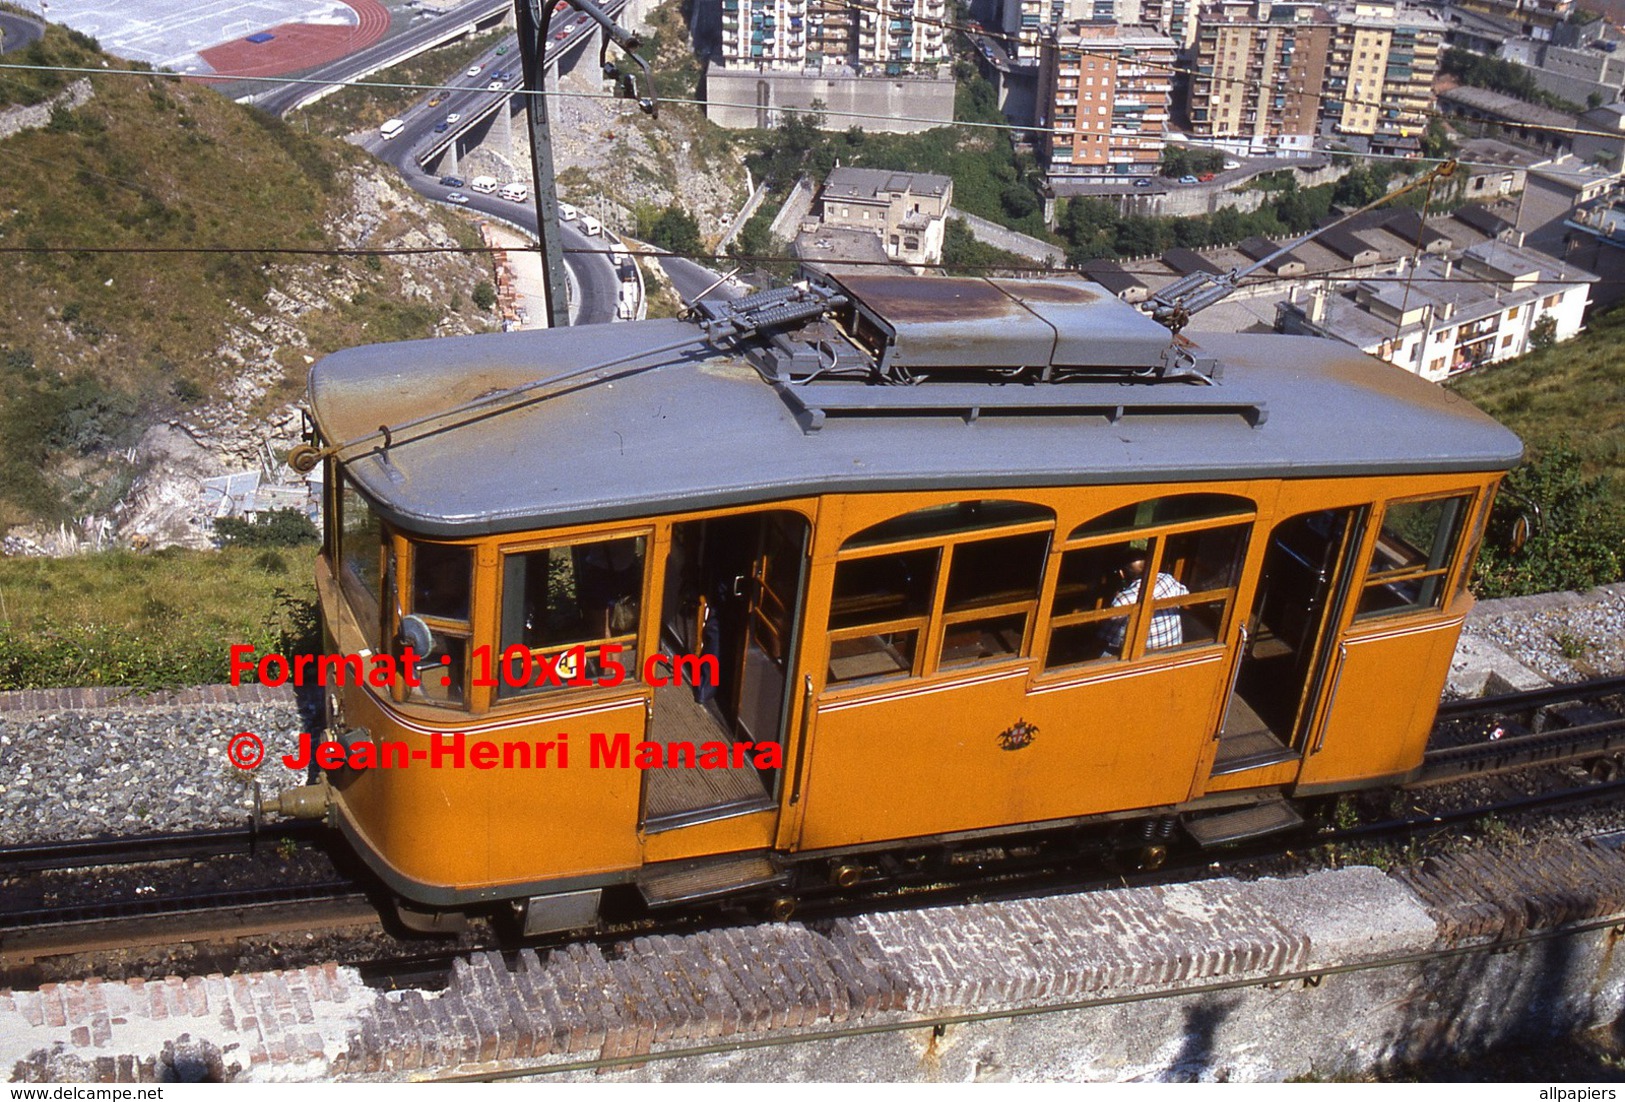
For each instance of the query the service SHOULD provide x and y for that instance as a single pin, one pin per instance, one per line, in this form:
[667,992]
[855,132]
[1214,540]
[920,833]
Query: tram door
[771,600]
[733,589]
[1288,645]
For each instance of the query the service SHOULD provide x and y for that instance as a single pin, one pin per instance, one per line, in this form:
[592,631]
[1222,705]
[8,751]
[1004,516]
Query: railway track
[1517,732]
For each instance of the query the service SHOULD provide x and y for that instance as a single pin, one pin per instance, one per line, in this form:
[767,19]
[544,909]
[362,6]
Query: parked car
[1205,177]
[457,197]
[1187,179]
[451,181]
[1142,182]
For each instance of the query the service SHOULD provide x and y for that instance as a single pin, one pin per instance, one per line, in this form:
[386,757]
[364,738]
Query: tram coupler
[308,801]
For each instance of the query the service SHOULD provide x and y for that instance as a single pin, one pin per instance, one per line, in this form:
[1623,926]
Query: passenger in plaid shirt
[1166,628]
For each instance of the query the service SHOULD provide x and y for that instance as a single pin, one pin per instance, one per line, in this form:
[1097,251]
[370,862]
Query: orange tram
[870,568]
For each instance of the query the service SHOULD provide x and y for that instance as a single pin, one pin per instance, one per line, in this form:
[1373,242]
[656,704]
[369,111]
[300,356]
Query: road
[392,49]
[17,31]
[593,277]
[689,279]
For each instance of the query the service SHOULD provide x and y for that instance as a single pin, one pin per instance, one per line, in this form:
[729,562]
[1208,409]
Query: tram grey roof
[700,429]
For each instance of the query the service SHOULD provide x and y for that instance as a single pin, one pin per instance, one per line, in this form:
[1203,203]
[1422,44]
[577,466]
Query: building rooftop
[1442,285]
[1482,219]
[1506,107]
[871,183]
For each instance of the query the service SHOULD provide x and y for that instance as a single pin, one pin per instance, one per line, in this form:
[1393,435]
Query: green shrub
[273,528]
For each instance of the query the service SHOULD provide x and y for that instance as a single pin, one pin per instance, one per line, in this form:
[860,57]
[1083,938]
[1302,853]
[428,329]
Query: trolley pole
[531,18]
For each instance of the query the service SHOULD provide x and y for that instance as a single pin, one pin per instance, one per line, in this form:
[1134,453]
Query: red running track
[299,45]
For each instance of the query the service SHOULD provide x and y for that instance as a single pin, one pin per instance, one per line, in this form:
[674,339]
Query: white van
[486,184]
[591,226]
[391,129]
[515,193]
[567,213]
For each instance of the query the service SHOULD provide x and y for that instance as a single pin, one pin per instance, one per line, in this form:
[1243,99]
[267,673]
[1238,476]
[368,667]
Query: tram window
[360,549]
[1160,511]
[442,577]
[1101,592]
[441,580]
[993,587]
[558,598]
[360,543]
[1414,551]
[440,673]
[880,588]
[948,520]
[1204,567]
[1089,623]
[880,606]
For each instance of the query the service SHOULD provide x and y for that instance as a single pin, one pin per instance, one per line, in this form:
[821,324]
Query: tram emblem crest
[1017,735]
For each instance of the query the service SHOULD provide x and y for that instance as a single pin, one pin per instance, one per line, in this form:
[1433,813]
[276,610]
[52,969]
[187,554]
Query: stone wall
[1002,237]
[1327,975]
[14,120]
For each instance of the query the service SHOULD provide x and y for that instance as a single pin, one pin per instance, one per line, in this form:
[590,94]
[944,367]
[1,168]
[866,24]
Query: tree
[676,231]
[485,295]
[1437,141]
[1543,334]
[1357,188]
[1577,537]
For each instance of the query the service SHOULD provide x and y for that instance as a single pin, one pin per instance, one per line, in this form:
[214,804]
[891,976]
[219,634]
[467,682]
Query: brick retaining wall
[1218,978]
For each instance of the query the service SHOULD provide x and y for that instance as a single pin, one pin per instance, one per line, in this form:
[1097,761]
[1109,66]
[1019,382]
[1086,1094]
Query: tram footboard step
[1250,822]
[688,881]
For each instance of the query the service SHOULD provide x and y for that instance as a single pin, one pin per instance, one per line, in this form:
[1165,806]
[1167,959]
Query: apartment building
[764,32]
[1437,325]
[1379,84]
[891,36]
[901,35]
[1260,69]
[907,211]
[1032,22]
[1104,94]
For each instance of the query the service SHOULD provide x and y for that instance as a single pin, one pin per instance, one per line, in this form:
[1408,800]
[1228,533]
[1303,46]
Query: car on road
[1205,177]
[437,101]
[494,86]
[475,70]
[454,118]
[457,197]
[501,50]
[441,127]
[1142,182]
[567,213]
[499,75]
[560,36]
[451,181]
[1187,179]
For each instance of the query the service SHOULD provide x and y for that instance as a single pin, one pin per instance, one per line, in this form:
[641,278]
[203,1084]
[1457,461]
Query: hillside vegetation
[103,333]
[1568,404]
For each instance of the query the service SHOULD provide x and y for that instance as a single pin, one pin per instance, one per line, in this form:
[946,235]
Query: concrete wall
[1185,200]
[797,207]
[991,233]
[748,99]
